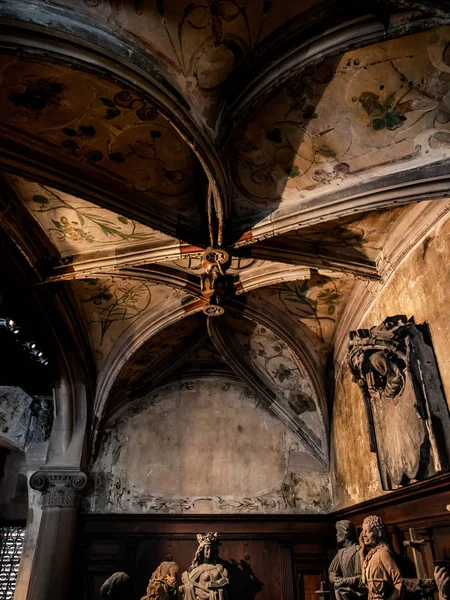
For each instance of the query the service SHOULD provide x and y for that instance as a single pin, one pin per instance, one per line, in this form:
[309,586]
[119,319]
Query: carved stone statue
[442,579]
[163,582]
[117,587]
[345,569]
[408,417]
[380,572]
[207,578]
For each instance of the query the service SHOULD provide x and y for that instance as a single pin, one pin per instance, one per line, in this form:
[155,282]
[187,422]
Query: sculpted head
[345,530]
[374,531]
[207,551]
[117,587]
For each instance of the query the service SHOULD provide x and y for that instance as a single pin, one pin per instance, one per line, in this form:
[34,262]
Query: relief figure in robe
[345,569]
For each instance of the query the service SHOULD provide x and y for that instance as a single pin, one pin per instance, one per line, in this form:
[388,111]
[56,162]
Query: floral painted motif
[73,223]
[276,362]
[384,114]
[39,95]
[115,300]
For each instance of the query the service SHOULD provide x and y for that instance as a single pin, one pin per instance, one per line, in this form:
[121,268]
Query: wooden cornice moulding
[419,503]
[262,526]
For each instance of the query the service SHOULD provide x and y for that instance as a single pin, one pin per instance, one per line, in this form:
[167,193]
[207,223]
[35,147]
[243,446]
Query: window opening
[11,546]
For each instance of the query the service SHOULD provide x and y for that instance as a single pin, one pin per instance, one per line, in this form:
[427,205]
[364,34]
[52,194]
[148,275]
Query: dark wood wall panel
[263,554]
[269,557]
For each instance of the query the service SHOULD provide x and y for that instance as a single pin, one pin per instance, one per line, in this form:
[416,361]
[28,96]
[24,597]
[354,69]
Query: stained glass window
[11,545]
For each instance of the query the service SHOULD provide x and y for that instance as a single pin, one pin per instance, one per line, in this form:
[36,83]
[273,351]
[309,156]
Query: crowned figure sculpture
[206,578]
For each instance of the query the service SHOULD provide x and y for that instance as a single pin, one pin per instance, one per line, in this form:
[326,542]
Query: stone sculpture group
[367,570]
[206,578]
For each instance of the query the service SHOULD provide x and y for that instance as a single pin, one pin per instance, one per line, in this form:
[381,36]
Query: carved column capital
[59,488]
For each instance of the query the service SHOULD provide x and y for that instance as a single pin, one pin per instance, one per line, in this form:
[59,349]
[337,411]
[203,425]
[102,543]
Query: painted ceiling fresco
[278,365]
[156,358]
[201,43]
[355,241]
[112,305]
[115,131]
[220,158]
[316,302]
[344,121]
[75,226]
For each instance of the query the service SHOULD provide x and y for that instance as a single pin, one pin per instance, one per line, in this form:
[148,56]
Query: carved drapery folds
[42,409]
[59,488]
[408,418]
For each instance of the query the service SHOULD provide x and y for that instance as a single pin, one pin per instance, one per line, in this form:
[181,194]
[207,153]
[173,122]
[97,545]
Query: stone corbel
[59,488]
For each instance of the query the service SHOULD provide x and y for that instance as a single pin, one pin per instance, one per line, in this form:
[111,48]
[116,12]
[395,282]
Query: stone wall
[419,288]
[204,446]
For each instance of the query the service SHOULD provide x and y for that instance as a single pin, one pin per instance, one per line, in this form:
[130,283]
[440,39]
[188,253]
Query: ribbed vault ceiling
[310,145]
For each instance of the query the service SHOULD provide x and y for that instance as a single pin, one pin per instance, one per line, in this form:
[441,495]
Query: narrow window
[11,545]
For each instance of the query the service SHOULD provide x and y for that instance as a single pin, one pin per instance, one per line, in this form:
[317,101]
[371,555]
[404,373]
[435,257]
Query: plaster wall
[418,288]
[204,446]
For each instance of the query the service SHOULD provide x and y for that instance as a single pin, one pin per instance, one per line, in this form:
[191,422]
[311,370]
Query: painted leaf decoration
[326,151]
[57,224]
[87,130]
[123,220]
[309,112]
[70,132]
[378,124]
[296,305]
[274,136]
[112,113]
[40,199]
[107,102]
[117,157]
[393,120]
[389,102]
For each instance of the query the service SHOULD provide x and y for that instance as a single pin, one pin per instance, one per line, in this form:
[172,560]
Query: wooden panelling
[269,557]
[258,551]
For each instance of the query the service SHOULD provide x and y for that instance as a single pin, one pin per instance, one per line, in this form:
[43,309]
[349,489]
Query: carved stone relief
[407,414]
[42,409]
[24,419]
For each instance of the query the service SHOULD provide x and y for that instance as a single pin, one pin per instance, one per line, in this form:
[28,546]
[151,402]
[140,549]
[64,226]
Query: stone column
[52,574]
